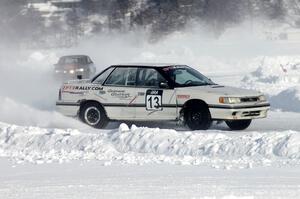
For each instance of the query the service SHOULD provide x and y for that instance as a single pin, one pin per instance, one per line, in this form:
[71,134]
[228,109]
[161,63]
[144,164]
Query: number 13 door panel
[158,104]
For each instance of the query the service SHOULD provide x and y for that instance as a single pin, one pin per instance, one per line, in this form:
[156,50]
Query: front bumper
[68,108]
[239,112]
[72,76]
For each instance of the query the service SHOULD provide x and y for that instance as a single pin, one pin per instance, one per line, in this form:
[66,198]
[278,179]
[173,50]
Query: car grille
[249,99]
[251,113]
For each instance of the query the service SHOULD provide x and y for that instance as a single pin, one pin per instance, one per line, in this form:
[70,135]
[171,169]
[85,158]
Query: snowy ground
[92,180]
[46,155]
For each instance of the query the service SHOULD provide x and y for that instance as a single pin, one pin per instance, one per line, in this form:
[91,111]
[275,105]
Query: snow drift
[279,78]
[149,145]
[273,74]
[288,100]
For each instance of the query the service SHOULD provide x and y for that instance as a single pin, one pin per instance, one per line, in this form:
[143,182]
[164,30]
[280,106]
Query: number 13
[154,102]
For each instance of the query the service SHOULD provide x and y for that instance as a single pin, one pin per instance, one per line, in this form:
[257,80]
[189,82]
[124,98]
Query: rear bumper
[223,112]
[68,108]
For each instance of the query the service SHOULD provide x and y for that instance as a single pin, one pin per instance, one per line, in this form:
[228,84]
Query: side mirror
[163,85]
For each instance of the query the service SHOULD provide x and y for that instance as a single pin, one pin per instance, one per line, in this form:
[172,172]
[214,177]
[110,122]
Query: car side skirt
[218,112]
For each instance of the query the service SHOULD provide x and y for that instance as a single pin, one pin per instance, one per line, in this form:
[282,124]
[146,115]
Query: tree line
[20,22]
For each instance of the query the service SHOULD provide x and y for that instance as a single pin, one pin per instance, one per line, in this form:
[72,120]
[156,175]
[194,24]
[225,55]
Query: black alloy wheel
[93,114]
[198,118]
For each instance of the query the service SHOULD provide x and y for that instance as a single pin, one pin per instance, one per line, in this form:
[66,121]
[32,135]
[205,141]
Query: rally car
[74,67]
[158,92]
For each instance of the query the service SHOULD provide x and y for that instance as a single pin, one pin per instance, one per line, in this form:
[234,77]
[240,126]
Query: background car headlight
[71,71]
[230,100]
[262,98]
[80,70]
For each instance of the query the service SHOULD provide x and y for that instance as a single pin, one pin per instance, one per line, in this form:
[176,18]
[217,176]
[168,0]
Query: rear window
[102,77]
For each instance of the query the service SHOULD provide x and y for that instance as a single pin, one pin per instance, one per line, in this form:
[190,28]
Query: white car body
[136,103]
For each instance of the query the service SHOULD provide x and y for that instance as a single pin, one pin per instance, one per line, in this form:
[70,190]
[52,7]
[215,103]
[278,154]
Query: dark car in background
[74,67]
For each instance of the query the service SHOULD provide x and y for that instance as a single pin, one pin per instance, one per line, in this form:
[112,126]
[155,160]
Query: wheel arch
[82,103]
[195,102]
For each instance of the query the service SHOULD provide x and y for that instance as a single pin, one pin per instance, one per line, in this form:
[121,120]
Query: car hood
[221,90]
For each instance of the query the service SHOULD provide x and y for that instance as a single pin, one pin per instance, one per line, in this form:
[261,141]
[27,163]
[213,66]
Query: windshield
[73,60]
[184,76]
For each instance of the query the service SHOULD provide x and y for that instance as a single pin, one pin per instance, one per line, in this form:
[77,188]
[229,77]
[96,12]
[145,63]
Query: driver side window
[149,77]
[182,76]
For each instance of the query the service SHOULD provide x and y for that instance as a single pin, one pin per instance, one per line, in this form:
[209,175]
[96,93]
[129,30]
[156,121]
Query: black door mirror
[163,85]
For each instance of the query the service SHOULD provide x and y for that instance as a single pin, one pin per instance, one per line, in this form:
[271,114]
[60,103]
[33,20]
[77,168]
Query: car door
[118,93]
[153,102]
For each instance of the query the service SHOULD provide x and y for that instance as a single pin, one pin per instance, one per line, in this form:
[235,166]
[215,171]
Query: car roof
[74,56]
[150,65]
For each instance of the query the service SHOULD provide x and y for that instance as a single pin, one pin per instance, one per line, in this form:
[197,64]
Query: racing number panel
[154,100]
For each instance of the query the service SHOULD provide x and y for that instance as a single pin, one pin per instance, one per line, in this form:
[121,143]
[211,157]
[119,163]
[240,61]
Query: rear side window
[122,77]
[102,77]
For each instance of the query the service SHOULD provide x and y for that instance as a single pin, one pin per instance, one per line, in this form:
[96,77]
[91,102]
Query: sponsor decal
[101,92]
[183,96]
[166,69]
[83,88]
[75,93]
[121,94]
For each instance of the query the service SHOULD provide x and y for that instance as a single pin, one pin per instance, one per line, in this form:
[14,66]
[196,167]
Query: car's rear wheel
[94,115]
[198,118]
[238,124]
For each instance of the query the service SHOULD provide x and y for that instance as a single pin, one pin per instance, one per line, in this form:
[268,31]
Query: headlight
[71,71]
[80,70]
[262,98]
[57,71]
[230,100]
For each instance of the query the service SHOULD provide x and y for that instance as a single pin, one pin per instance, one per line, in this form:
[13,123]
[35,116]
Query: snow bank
[274,74]
[288,100]
[279,78]
[149,145]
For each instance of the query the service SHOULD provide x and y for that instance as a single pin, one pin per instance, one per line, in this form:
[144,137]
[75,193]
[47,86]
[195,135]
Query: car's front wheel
[198,118]
[94,115]
[238,124]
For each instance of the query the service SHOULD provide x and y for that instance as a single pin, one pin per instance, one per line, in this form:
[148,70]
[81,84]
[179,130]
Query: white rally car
[158,92]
